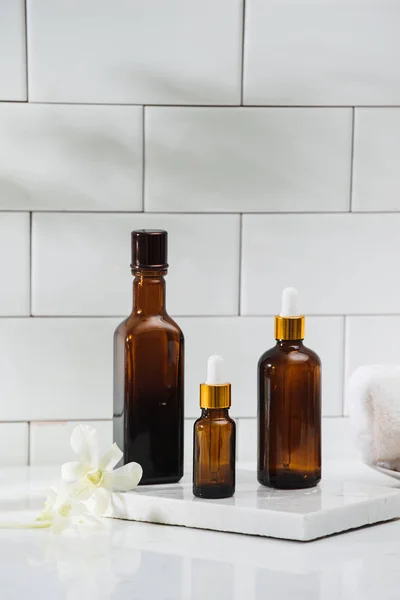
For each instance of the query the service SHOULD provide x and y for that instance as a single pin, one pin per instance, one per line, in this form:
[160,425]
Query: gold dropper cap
[215,394]
[289,325]
[289,328]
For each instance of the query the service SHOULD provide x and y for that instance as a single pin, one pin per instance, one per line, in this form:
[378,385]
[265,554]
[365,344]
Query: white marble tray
[332,507]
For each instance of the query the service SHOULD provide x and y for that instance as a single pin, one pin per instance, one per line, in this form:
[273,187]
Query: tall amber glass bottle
[289,405]
[214,437]
[149,369]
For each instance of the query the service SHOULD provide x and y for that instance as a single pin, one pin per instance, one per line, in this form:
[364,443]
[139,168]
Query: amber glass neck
[149,293]
[214,413]
[289,343]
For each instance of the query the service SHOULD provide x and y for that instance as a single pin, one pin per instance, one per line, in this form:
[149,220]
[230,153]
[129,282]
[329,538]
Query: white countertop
[140,561]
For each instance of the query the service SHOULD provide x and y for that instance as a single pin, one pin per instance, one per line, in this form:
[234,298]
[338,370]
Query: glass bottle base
[213,491]
[160,480]
[294,480]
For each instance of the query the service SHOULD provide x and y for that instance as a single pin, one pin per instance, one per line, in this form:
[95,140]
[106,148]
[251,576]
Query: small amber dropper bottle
[289,405]
[214,440]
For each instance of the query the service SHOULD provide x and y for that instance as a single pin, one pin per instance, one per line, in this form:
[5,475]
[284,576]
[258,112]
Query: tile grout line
[29,443]
[30,263]
[63,421]
[143,155]
[67,420]
[211,316]
[242,56]
[352,160]
[26,51]
[240,264]
[222,105]
[243,418]
[181,213]
[344,364]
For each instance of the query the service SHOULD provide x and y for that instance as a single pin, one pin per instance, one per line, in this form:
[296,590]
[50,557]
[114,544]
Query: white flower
[93,475]
[85,492]
[63,508]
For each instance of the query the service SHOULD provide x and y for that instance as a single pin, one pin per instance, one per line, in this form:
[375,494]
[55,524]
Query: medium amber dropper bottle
[289,405]
[214,439]
[148,369]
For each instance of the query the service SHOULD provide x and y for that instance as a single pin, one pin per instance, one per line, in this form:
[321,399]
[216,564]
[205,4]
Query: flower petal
[59,523]
[110,458]
[92,519]
[125,478]
[85,444]
[77,509]
[83,490]
[99,502]
[71,471]
[51,499]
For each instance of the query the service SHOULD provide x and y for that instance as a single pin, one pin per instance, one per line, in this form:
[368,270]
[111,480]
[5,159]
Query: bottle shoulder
[138,324]
[313,355]
[268,355]
[289,354]
[174,324]
[221,421]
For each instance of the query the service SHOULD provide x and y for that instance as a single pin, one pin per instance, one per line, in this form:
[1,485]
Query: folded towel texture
[374,406]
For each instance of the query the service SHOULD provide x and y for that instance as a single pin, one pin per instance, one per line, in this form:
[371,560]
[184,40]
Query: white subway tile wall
[56,369]
[342,263]
[262,134]
[81,263]
[376,159]
[14,444]
[244,160]
[70,157]
[335,52]
[12,50]
[188,444]
[142,52]
[49,442]
[14,264]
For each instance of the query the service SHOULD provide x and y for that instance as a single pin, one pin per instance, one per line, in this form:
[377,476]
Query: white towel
[374,406]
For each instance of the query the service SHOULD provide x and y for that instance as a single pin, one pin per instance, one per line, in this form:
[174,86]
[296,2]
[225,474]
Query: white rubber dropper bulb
[289,302]
[215,370]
